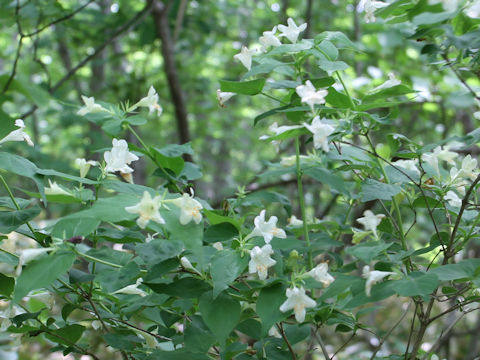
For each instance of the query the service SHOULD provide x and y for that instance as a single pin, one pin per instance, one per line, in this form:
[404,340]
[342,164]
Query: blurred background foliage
[52,52]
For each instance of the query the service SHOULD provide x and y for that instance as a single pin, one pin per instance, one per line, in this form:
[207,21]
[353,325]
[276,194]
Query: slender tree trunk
[160,18]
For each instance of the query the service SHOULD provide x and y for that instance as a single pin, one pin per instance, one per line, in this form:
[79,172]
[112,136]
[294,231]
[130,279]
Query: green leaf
[220,314]
[416,283]
[6,285]
[428,18]
[251,87]
[220,233]
[11,220]
[289,48]
[326,177]
[268,113]
[66,335]
[23,167]
[373,190]
[158,250]
[177,354]
[332,66]
[396,90]
[226,266]
[329,49]
[465,269]
[197,336]
[337,99]
[268,306]
[41,273]
[367,251]
[186,288]
[340,40]
[68,228]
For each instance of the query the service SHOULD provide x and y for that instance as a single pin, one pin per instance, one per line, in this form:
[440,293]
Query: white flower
[438,153]
[90,106]
[269,39]
[84,166]
[277,130]
[291,31]
[119,157]
[267,229]
[310,95]
[28,255]
[320,274]
[373,277]
[294,222]
[298,301]
[473,11]
[245,57]
[369,6]
[218,245]
[469,165]
[224,96]
[150,101]
[410,165]
[370,221]
[150,237]
[448,5]
[96,324]
[18,135]
[260,261]
[274,332]
[391,82]
[453,199]
[132,289]
[55,189]
[190,209]
[187,265]
[320,131]
[147,209]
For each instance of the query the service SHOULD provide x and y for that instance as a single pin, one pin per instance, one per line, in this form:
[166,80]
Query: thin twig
[321,343]
[459,76]
[390,332]
[280,328]
[63,18]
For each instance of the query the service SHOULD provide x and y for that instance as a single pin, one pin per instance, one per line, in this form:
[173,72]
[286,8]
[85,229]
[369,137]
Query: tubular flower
[298,301]
[294,222]
[55,189]
[391,82]
[277,130]
[373,277]
[245,57]
[147,209]
[18,135]
[269,39]
[190,209]
[369,6]
[438,153]
[467,170]
[310,95]
[370,221]
[267,229]
[260,261]
[187,265]
[119,157]
[150,101]
[224,96]
[132,289]
[320,274]
[453,199]
[320,131]
[410,165]
[84,166]
[292,31]
[90,106]
[28,255]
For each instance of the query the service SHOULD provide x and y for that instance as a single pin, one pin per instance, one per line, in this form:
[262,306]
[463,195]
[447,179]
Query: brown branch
[280,328]
[162,29]
[377,349]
